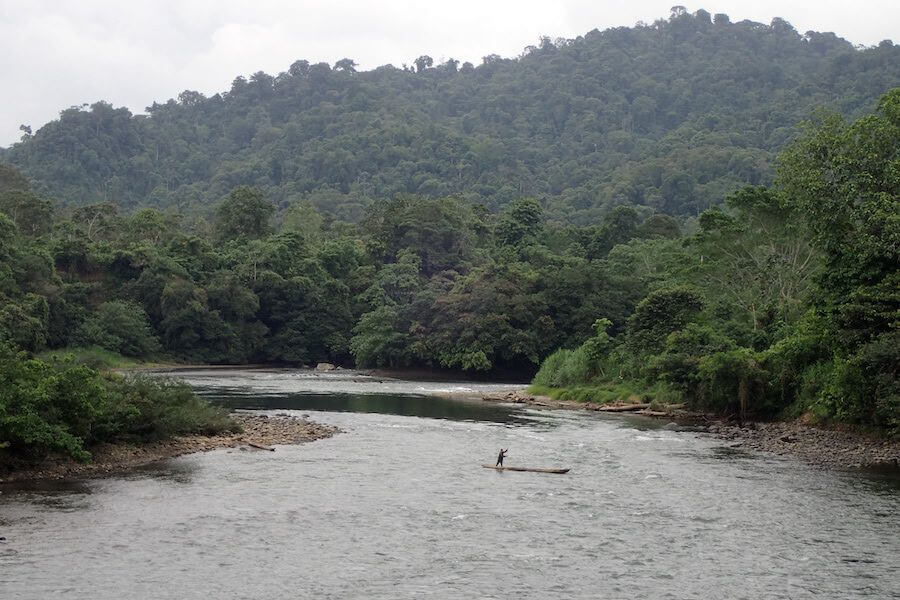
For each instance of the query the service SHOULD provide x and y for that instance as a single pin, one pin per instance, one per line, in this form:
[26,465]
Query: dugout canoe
[559,471]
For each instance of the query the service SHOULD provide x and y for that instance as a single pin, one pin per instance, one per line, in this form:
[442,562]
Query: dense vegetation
[787,302]
[420,282]
[65,408]
[670,116]
[785,298]
[477,219]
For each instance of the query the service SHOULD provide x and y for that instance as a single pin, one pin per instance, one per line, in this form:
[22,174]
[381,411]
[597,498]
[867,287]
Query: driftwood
[624,407]
[260,446]
[558,471]
[653,413]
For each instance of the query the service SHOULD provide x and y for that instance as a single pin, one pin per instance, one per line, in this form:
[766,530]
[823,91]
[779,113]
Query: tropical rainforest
[696,211]
[670,117]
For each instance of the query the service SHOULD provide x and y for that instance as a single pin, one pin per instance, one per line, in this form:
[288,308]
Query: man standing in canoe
[501,456]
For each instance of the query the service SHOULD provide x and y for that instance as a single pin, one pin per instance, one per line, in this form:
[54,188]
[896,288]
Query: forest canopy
[669,117]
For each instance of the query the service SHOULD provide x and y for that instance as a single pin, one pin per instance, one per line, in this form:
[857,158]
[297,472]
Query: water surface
[399,507]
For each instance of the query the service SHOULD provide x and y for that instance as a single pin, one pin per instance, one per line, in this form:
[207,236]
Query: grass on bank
[94,357]
[658,395]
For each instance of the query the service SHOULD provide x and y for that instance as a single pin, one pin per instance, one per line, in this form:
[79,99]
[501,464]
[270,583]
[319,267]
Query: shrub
[61,407]
[153,409]
[732,379]
[122,327]
[566,368]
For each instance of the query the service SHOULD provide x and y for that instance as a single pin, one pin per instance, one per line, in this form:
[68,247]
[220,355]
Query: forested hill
[672,116]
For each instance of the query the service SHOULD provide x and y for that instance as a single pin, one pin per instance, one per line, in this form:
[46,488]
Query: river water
[398,506]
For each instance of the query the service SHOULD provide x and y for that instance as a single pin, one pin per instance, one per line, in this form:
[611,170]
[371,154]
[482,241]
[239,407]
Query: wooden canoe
[560,471]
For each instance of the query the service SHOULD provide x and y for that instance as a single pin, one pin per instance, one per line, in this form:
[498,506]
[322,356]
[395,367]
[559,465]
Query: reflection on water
[432,407]
[399,507]
[305,381]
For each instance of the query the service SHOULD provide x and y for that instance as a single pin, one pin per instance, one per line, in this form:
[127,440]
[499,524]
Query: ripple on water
[399,507]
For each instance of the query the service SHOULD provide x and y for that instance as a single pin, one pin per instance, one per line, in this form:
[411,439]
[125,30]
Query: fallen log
[495,399]
[624,407]
[260,446]
[652,413]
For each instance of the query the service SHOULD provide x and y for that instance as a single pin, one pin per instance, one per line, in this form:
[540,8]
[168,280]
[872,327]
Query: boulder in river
[323,366]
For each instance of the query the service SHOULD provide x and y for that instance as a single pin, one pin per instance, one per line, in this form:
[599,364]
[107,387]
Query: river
[398,506]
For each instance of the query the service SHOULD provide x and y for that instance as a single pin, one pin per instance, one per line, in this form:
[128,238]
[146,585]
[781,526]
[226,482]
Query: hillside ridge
[671,116]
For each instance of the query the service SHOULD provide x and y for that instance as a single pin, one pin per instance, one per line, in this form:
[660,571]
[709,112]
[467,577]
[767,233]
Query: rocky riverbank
[833,448]
[108,459]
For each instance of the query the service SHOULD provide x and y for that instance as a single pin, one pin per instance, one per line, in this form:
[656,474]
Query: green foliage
[609,393]
[42,410]
[792,307]
[757,258]
[659,314]
[65,408]
[731,378]
[379,340]
[680,361]
[565,368]
[520,223]
[24,323]
[245,213]
[94,357]
[121,327]
[441,218]
[672,115]
[152,409]
[860,239]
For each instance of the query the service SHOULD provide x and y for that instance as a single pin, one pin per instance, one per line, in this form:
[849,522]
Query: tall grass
[610,393]
[94,357]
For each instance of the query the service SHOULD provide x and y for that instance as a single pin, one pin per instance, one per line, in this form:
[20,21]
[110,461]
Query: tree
[423,62]
[438,230]
[672,132]
[759,260]
[845,179]
[245,213]
[659,225]
[119,326]
[659,314]
[520,223]
[303,218]
[346,65]
[31,214]
[23,324]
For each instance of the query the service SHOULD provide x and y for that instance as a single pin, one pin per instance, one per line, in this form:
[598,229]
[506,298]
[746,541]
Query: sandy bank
[116,458]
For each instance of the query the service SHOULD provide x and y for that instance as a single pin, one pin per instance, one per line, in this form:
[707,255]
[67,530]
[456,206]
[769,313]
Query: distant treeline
[670,117]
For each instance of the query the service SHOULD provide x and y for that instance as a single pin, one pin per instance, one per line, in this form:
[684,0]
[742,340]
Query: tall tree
[244,213]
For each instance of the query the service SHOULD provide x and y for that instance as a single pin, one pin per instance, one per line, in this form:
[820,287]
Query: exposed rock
[836,448]
[323,366]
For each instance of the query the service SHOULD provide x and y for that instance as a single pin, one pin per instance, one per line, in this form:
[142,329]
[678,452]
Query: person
[501,456]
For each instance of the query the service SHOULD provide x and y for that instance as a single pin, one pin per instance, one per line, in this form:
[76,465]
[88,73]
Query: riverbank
[109,459]
[840,448]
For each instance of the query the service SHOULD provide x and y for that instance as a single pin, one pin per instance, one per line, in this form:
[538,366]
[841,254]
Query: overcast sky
[59,53]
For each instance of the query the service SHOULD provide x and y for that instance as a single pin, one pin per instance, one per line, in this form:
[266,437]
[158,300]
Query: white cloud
[59,53]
